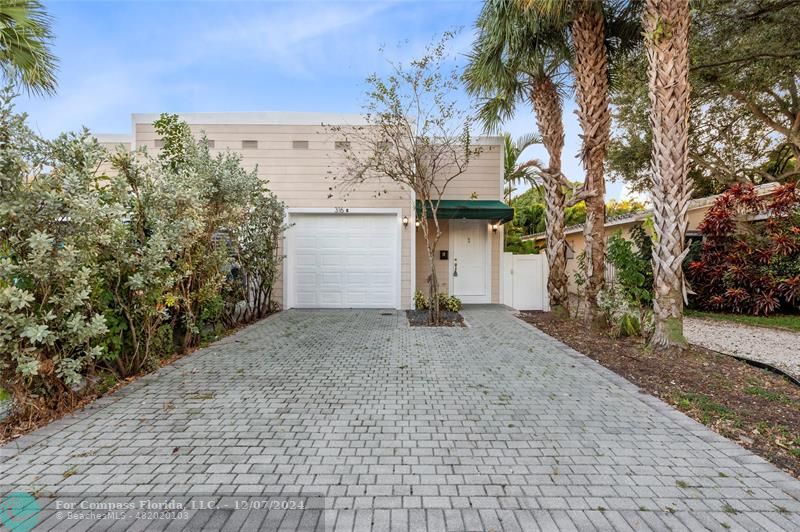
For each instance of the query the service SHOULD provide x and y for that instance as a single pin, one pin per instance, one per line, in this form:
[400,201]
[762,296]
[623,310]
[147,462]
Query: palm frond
[25,40]
[528,139]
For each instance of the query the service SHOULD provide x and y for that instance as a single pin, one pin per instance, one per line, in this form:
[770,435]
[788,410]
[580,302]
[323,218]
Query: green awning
[472,210]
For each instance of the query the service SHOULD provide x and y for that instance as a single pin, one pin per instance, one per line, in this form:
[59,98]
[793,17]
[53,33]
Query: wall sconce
[416,224]
[494,228]
[405,221]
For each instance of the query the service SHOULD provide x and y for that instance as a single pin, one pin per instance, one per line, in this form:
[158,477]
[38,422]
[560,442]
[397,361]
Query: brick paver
[371,424]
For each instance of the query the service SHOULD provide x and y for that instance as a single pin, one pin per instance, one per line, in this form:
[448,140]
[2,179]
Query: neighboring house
[354,247]
[576,243]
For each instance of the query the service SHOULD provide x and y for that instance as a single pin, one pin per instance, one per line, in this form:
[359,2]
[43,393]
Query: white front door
[469,266]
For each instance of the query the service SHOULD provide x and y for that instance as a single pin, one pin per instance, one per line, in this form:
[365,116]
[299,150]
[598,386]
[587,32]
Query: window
[300,144]
[249,144]
[342,145]
[159,143]
[210,143]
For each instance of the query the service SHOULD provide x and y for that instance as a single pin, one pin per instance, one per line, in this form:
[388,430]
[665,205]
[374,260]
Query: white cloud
[302,39]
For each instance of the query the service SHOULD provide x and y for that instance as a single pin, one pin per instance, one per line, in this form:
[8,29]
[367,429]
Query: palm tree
[586,24]
[25,39]
[515,173]
[515,59]
[666,30]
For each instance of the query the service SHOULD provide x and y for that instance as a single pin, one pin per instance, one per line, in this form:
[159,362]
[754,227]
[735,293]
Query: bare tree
[417,136]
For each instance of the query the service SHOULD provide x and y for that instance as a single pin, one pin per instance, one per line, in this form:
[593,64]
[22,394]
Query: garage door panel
[344,260]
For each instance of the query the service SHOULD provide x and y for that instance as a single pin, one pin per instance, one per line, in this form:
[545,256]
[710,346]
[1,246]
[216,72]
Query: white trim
[118,138]
[288,288]
[271,118]
[134,147]
[501,268]
[412,226]
[347,210]
[487,298]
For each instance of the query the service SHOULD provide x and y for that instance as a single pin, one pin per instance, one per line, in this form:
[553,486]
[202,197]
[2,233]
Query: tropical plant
[585,23]
[515,173]
[25,40]
[627,298]
[631,270]
[417,136]
[666,31]
[623,316]
[518,58]
[751,268]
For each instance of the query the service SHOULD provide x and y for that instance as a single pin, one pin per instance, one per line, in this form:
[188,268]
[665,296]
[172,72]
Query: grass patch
[202,396]
[4,395]
[775,397]
[707,407]
[728,509]
[778,321]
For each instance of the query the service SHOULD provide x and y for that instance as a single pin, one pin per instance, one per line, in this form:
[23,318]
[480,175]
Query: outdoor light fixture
[405,221]
[494,228]
[416,224]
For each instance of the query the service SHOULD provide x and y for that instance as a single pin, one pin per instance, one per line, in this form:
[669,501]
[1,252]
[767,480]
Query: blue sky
[121,57]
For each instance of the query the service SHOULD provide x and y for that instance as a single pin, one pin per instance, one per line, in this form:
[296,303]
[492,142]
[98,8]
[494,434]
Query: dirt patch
[422,318]
[756,408]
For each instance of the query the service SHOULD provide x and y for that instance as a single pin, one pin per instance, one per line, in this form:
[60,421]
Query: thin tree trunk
[548,111]
[666,29]
[594,115]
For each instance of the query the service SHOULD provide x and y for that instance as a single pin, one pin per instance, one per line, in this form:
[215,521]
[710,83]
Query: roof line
[694,204]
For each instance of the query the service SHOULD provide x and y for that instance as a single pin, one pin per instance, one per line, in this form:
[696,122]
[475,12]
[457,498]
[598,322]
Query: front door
[468,268]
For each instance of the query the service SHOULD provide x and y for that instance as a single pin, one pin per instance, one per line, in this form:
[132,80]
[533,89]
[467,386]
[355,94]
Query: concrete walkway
[370,424]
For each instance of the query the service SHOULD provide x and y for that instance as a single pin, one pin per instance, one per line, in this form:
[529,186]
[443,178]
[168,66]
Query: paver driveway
[495,426]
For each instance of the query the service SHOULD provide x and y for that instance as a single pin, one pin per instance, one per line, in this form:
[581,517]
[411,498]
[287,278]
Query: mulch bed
[754,407]
[421,318]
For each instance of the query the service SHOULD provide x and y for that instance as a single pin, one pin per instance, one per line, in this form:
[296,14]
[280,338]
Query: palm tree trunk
[594,115]
[666,29]
[548,111]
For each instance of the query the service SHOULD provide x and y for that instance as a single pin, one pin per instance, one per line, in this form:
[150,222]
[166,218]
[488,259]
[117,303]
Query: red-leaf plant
[750,256]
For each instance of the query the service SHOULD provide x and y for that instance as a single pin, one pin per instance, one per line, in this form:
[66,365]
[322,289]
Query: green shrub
[632,270]
[449,303]
[624,317]
[420,301]
[109,272]
[446,302]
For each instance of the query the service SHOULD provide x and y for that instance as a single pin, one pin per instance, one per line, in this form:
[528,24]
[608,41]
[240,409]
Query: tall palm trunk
[594,115]
[666,29]
[548,111]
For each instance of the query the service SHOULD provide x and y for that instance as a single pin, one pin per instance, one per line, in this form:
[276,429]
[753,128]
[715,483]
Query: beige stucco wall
[442,268]
[577,243]
[303,178]
[483,176]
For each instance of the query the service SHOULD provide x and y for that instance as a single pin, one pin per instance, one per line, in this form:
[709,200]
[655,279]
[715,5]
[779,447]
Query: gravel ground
[772,346]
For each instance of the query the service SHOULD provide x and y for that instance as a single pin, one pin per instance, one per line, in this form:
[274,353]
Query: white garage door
[343,260]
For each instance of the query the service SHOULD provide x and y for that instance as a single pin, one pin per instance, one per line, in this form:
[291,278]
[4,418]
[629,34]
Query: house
[576,243]
[354,248]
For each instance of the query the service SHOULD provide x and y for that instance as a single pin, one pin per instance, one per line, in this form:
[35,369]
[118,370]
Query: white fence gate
[525,281]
